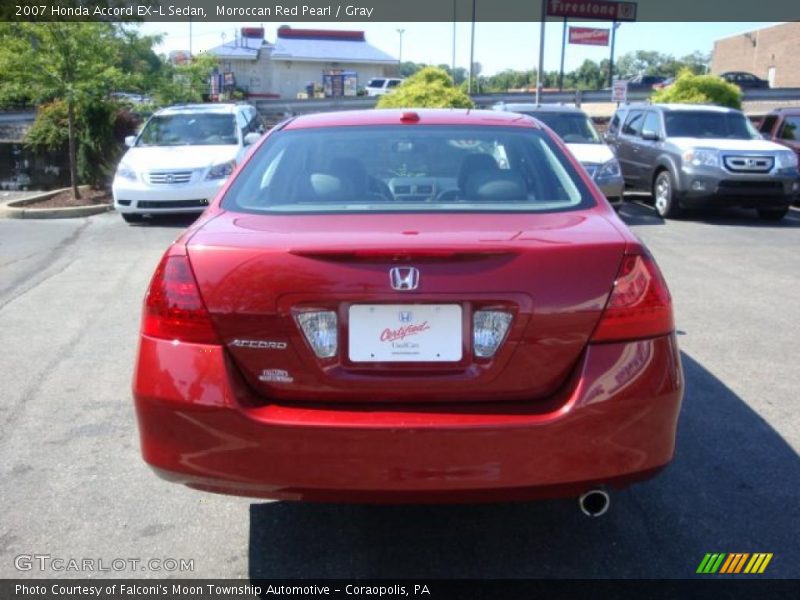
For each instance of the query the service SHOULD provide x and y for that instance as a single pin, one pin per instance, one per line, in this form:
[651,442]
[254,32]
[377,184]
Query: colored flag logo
[734,563]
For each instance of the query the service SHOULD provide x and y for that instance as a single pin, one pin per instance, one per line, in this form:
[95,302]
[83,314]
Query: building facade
[338,62]
[771,53]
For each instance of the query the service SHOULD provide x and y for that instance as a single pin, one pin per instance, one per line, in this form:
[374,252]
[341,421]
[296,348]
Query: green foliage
[648,62]
[49,130]
[186,82]
[101,128]
[409,68]
[71,61]
[700,89]
[431,87]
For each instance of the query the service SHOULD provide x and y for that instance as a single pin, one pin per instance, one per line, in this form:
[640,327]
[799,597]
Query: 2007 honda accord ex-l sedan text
[408,306]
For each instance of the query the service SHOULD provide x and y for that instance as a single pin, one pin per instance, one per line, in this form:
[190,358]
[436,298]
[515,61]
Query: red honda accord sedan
[408,306]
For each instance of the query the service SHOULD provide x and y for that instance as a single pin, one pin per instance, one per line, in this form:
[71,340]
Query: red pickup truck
[782,125]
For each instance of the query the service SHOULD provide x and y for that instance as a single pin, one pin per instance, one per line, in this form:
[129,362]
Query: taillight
[639,305]
[173,308]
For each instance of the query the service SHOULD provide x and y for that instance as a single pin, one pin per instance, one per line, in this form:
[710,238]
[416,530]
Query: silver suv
[696,155]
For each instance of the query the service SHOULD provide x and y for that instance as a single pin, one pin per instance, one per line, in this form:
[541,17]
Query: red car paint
[585,390]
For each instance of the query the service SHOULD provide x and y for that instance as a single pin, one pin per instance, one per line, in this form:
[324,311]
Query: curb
[16,209]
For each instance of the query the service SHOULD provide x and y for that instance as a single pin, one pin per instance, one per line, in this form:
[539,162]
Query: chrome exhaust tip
[594,503]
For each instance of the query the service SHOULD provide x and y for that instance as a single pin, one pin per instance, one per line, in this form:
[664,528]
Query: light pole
[453,66]
[611,57]
[471,50]
[400,59]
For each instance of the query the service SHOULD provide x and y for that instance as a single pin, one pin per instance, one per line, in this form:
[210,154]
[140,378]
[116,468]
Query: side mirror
[251,138]
[650,136]
[130,141]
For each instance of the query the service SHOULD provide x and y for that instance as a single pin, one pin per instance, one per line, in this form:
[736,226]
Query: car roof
[531,107]
[426,116]
[785,110]
[681,107]
[224,108]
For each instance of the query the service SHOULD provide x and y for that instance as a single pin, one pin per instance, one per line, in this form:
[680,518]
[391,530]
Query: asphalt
[73,485]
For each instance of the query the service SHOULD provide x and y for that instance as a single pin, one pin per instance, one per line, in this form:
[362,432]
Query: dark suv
[697,155]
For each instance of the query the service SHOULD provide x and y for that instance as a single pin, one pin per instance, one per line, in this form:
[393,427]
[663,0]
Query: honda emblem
[404,278]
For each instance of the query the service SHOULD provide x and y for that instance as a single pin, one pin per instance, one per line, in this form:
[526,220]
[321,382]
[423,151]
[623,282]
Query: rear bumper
[613,423]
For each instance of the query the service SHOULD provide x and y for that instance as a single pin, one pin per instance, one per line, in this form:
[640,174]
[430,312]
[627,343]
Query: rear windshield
[413,168]
[705,124]
[198,129]
[573,128]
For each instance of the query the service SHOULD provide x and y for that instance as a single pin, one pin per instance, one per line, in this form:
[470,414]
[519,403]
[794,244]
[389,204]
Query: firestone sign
[588,36]
[592,9]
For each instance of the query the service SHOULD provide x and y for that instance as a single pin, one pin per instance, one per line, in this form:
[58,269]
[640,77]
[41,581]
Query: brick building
[772,53]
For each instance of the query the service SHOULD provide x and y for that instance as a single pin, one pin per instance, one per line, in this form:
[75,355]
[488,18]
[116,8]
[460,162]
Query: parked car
[694,155]
[376,310]
[182,157]
[664,84]
[746,81]
[575,128]
[645,82]
[132,98]
[382,85]
[782,126]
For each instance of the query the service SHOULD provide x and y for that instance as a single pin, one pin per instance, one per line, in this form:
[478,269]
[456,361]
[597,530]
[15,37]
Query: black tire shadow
[636,211]
[733,487]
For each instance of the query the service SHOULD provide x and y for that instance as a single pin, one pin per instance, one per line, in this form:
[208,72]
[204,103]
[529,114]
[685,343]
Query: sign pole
[563,50]
[541,55]
[614,26]
[471,50]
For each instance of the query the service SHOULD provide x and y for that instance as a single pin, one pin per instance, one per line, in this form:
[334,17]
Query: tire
[772,214]
[132,217]
[664,198]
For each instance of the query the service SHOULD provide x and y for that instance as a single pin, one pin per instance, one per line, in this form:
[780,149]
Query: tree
[431,87]
[76,62]
[700,89]
[186,82]
[408,68]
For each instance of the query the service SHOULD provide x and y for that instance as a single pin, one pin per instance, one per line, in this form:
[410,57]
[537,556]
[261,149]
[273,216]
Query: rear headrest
[473,163]
[351,172]
[495,185]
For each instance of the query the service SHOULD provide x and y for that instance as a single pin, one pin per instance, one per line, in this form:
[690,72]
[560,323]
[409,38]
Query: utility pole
[614,26]
[190,36]
[563,51]
[400,58]
[471,50]
[453,65]
[541,56]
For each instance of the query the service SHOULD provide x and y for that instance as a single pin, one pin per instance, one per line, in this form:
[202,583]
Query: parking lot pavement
[75,487]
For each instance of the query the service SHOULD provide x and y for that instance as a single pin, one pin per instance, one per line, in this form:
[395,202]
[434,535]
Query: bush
[700,89]
[101,128]
[429,88]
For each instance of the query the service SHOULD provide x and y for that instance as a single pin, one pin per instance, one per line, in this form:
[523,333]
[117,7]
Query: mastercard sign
[589,36]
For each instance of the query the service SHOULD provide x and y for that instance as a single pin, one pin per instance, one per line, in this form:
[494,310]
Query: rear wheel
[664,196]
[772,214]
[132,218]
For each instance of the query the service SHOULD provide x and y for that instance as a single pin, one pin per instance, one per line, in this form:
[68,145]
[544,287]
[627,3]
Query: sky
[498,46]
